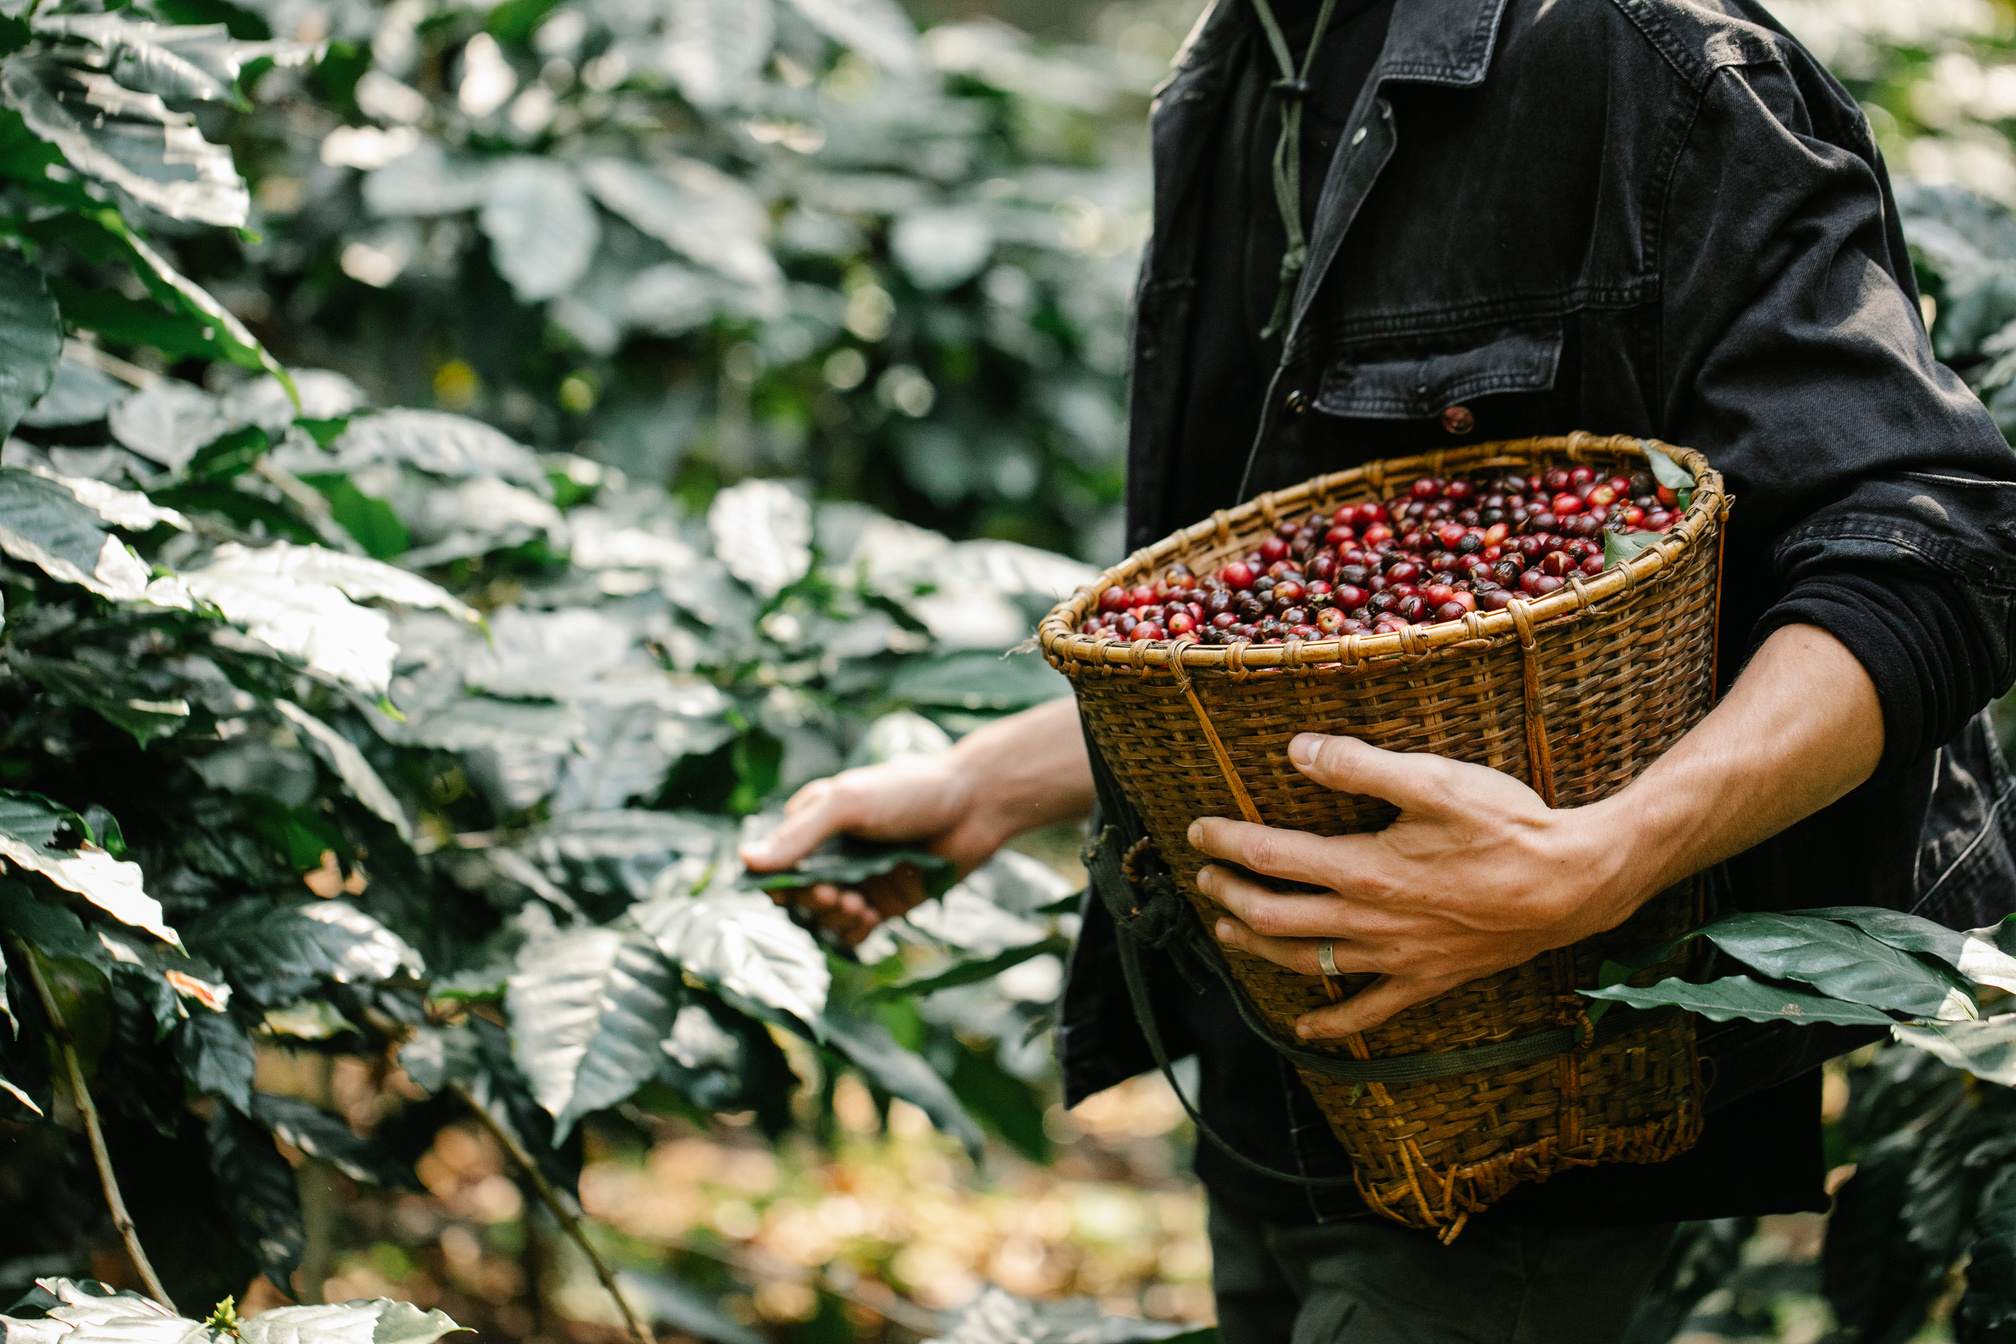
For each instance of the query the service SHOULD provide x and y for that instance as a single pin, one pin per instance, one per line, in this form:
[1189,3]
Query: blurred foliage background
[676,244]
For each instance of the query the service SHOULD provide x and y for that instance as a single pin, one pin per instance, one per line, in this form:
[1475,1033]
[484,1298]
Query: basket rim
[1058,636]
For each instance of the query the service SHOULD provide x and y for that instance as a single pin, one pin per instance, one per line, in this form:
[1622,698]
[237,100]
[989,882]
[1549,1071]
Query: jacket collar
[1428,42]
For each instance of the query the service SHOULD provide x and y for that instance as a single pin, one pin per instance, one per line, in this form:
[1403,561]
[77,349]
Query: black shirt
[1913,634]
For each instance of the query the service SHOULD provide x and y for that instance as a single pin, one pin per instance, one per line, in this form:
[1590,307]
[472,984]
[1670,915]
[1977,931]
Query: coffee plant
[472,815]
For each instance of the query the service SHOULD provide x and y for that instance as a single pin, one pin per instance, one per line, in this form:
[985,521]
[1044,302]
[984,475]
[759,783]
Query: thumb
[1413,781]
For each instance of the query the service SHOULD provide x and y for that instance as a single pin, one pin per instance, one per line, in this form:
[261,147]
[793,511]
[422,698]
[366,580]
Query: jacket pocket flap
[1524,360]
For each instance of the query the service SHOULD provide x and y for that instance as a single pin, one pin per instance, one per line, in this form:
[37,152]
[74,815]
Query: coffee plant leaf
[1987,1310]
[1738,996]
[85,1312]
[877,29]
[712,49]
[427,181]
[328,1137]
[849,861]
[436,1056]
[54,929]
[1842,962]
[215,1055]
[45,524]
[625,855]
[276,953]
[972,972]
[1872,1272]
[119,701]
[542,229]
[168,422]
[341,756]
[303,602]
[500,1088]
[693,208]
[762,532]
[257,1189]
[78,394]
[1621,546]
[185,62]
[588,1009]
[128,139]
[454,447]
[867,1045]
[32,835]
[1982,955]
[741,942]
[219,333]
[31,338]
[1986,1049]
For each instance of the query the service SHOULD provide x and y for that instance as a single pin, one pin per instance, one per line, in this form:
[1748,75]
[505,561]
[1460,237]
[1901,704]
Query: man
[1384,226]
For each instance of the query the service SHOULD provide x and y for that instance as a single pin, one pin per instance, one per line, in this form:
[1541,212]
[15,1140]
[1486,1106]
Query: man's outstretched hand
[1025,771]
[1476,874]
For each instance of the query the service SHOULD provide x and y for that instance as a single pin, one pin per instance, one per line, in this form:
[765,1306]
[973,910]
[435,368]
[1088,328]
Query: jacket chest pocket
[1376,383]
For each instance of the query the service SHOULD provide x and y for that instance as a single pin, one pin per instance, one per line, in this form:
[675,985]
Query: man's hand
[1475,875]
[1478,874]
[1025,771]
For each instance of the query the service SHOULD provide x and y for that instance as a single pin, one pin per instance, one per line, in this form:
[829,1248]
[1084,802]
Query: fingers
[1414,781]
[815,814]
[1297,954]
[1295,916]
[1370,1007]
[1295,855]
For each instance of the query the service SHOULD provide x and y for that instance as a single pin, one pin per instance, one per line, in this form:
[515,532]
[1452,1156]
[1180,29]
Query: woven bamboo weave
[1575,693]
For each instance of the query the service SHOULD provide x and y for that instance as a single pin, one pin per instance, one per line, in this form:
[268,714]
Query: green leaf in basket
[1621,546]
[1842,962]
[1671,475]
[850,861]
[1740,996]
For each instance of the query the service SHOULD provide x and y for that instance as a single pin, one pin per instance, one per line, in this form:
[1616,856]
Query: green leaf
[541,227]
[371,521]
[44,522]
[216,1057]
[849,861]
[1621,546]
[1982,955]
[742,944]
[1738,996]
[319,1134]
[31,338]
[256,1187]
[229,455]
[38,836]
[1670,474]
[276,953]
[971,972]
[867,1045]
[1842,962]
[126,705]
[1986,1049]
[53,929]
[342,756]
[758,760]
[588,1009]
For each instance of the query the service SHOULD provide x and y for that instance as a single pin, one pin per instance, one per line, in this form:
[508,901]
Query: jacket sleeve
[1868,480]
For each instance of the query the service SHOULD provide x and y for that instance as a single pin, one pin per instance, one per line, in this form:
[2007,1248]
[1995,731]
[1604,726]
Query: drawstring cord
[1293,88]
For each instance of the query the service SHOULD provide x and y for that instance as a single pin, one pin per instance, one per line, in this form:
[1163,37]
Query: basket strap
[1243,799]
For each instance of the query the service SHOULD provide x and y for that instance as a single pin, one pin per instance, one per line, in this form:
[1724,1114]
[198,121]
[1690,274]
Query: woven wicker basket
[1575,693]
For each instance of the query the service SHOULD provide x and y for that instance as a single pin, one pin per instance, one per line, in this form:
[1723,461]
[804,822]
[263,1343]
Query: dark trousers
[1370,1281]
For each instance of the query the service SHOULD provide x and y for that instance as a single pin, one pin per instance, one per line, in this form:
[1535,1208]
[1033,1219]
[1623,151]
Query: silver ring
[1326,957]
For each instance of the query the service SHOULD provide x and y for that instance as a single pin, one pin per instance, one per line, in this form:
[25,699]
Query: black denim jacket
[1625,216]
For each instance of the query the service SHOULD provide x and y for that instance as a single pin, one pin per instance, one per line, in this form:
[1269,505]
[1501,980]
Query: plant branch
[559,1204]
[89,1110]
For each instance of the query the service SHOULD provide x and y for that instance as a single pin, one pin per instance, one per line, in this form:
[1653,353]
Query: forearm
[1028,770]
[1801,727]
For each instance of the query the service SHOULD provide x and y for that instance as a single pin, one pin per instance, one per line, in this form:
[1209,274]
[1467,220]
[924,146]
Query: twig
[570,1222]
[89,1110]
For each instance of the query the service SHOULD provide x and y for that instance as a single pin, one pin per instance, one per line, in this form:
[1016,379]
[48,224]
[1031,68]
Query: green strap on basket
[1153,913]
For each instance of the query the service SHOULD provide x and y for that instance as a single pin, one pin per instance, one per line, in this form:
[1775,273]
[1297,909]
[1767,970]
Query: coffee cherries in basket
[1442,549]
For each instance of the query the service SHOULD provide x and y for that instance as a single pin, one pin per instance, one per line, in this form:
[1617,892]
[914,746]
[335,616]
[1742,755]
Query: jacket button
[1296,402]
[1458,420]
